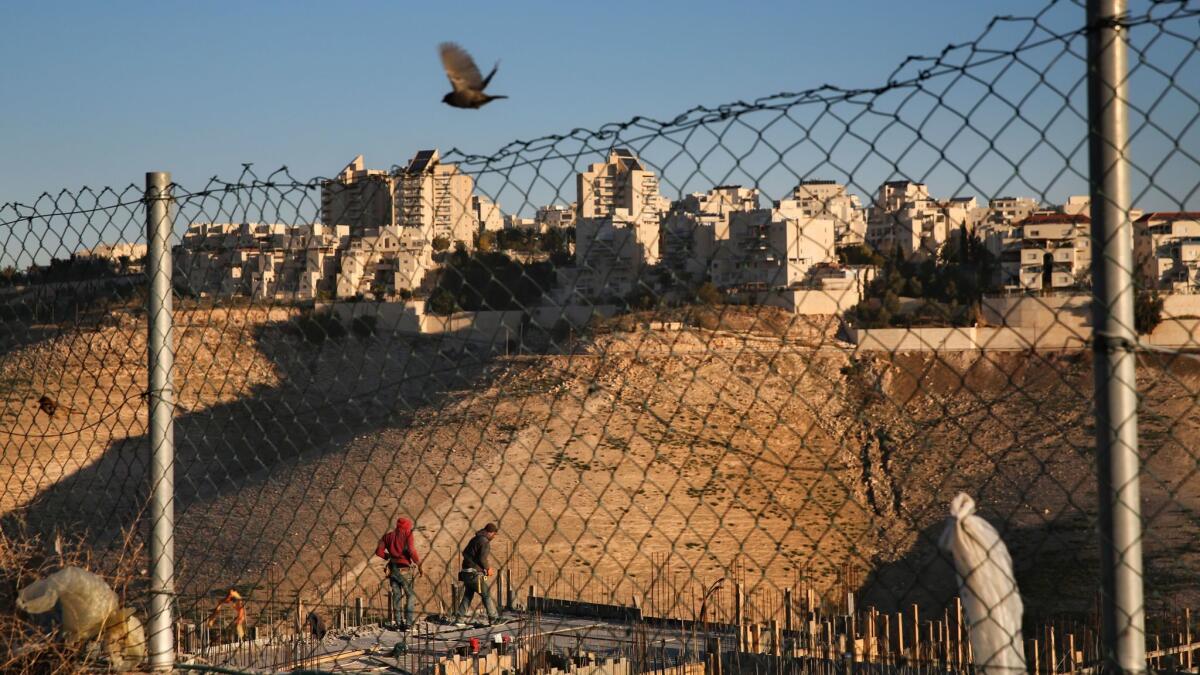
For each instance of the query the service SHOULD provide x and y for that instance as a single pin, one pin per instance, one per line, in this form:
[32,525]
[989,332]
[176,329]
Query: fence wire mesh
[716,380]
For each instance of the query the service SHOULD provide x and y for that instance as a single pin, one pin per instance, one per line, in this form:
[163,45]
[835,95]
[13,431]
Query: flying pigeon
[465,78]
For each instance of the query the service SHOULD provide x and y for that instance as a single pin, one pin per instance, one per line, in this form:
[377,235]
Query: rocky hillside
[739,440]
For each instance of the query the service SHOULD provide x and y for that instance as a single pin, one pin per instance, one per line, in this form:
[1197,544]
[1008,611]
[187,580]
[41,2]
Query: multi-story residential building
[322,252]
[359,197]
[259,259]
[612,254]
[771,249]
[1010,210]
[1082,204]
[434,199]
[1077,205]
[1167,250]
[488,217]
[394,260]
[514,222]
[619,183]
[905,218]
[1045,251]
[829,199]
[121,257]
[114,251]
[554,217]
[617,226]
[963,214]
[694,226]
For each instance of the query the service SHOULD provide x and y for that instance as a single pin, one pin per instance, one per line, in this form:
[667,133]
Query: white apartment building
[963,213]
[619,183]
[829,199]
[513,222]
[114,251]
[612,254]
[434,199]
[259,259]
[359,197]
[905,218]
[488,217]
[694,225]
[1167,250]
[381,265]
[554,217]
[771,249]
[617,226]
[1078,205]
[1082,205]
[1044,252]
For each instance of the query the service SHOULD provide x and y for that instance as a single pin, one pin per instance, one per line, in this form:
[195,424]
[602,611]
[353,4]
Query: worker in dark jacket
[474,575]
[403,565]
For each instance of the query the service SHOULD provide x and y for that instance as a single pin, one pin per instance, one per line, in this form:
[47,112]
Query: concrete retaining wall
[1171,333]
[1175,306]
[410,318]
[941,339]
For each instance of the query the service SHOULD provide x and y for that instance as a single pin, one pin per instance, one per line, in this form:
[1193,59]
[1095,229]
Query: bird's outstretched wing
[460,68]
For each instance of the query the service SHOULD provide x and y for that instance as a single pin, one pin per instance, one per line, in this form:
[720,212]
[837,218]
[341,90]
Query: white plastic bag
[85,599]
[124,640]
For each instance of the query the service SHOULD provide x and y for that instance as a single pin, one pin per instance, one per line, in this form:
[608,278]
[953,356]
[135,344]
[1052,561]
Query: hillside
[752,443]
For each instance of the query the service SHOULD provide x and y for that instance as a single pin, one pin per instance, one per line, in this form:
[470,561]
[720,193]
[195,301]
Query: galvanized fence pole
[161,353]
[1115,339]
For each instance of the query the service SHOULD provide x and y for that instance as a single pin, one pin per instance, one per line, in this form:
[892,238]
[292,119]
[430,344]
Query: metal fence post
[161,354]
[1115,339]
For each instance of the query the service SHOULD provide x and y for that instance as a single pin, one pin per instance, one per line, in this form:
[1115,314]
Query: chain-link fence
[715,380]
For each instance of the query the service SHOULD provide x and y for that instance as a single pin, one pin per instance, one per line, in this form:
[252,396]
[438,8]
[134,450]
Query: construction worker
[474,574]
[403,566]
[239,605]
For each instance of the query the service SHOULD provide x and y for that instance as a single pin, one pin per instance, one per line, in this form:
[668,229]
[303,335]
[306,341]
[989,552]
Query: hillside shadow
[232,458]
[1055,576]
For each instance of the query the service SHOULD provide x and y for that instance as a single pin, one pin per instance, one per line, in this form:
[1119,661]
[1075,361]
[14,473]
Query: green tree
[441,243]
[1147,312]
[859,254]
[553,240]
[486,242]
[441,302]
[709,294]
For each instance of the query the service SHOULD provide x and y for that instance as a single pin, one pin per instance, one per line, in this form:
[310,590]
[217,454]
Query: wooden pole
[787,610]
[1052,653]
[1187,638]
[738,618]
[886,645]
[958,633]
[1071,653]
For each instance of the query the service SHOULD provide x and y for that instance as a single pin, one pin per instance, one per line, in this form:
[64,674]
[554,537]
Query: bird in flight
[464,76]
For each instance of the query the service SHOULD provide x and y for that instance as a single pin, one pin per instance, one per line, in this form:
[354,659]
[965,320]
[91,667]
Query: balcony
[1065,255]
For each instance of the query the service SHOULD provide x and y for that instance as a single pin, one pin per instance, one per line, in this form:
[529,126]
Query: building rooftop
[1169,215]
[1055,219]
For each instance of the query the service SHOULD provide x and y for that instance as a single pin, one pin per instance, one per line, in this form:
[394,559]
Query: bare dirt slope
[765,447]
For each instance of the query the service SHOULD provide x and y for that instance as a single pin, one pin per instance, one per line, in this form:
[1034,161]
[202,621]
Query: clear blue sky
[97,93]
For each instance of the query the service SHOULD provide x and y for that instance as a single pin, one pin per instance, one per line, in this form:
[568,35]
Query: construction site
[726,630]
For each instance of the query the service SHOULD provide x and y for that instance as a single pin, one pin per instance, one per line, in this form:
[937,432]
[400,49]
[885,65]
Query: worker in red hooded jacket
[403,566]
